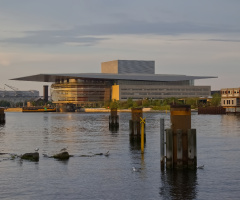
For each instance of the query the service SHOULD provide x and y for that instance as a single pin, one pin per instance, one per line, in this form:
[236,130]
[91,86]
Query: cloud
[223,40]
[88,35]
[51,38]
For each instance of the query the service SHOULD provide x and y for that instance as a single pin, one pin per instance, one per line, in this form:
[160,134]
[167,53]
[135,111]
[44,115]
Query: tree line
[164,104]
[160,104]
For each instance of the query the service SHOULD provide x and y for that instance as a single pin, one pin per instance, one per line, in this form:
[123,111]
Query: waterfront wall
[109,110]
[212,110]
[13,110]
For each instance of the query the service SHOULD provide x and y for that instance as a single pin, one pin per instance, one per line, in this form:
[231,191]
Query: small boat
[38,109]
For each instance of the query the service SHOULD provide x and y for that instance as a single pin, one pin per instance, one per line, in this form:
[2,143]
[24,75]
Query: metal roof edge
[136,77]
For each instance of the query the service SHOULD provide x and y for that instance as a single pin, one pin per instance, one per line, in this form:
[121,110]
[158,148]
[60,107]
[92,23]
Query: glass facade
[80,91]
[90,91]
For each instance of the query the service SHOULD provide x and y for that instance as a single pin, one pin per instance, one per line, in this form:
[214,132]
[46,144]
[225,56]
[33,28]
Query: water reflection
[135,143]
[2,124]
[142,161]
[46,129]
[137,156]
[178,184]
[113,129]
[230,125]
[65,162]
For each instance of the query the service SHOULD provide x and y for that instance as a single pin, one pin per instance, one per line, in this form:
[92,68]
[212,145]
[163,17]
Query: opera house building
[119,80]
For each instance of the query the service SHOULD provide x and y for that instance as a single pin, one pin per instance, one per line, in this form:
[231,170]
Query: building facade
[80,91]
[230,99]
[138,90]
[128,67]
[18,96]
[120,80]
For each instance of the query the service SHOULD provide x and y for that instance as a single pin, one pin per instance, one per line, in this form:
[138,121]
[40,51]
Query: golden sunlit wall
[80,91]
[115,92]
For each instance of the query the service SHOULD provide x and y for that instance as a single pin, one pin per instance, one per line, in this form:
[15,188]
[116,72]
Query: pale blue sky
[72,36]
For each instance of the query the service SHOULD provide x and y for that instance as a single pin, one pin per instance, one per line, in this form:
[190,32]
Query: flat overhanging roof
[102,76]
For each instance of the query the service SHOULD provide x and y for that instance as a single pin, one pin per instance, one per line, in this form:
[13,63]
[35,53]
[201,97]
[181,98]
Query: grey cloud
[50,38]
[160,28]
[137,27]
[98,32]
[223,40]
[211,40]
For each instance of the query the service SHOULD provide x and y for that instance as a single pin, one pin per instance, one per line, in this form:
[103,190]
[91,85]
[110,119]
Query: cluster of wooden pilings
[181,142]
[2,116]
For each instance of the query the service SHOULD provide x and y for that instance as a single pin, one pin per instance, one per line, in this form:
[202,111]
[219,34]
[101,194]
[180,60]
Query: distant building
[230,99]
[18,96]
[120,80]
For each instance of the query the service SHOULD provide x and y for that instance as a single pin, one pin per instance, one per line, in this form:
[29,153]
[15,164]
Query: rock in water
[62,156]
[31,156]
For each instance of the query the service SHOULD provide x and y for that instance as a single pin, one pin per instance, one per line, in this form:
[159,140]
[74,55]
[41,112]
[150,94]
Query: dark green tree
[4,103]
[216,99]
[146,103]
[130,103]
[114,104]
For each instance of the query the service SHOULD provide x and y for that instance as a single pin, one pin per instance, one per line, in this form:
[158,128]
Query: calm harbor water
[85,176]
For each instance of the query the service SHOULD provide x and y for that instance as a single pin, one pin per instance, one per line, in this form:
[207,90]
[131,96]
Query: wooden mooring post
[2,116]
[134,125]
[142,133]
[181,144]
[113,119]
[162,143]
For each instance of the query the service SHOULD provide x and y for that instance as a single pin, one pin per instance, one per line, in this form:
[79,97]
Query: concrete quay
[88,110]
[13,110]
